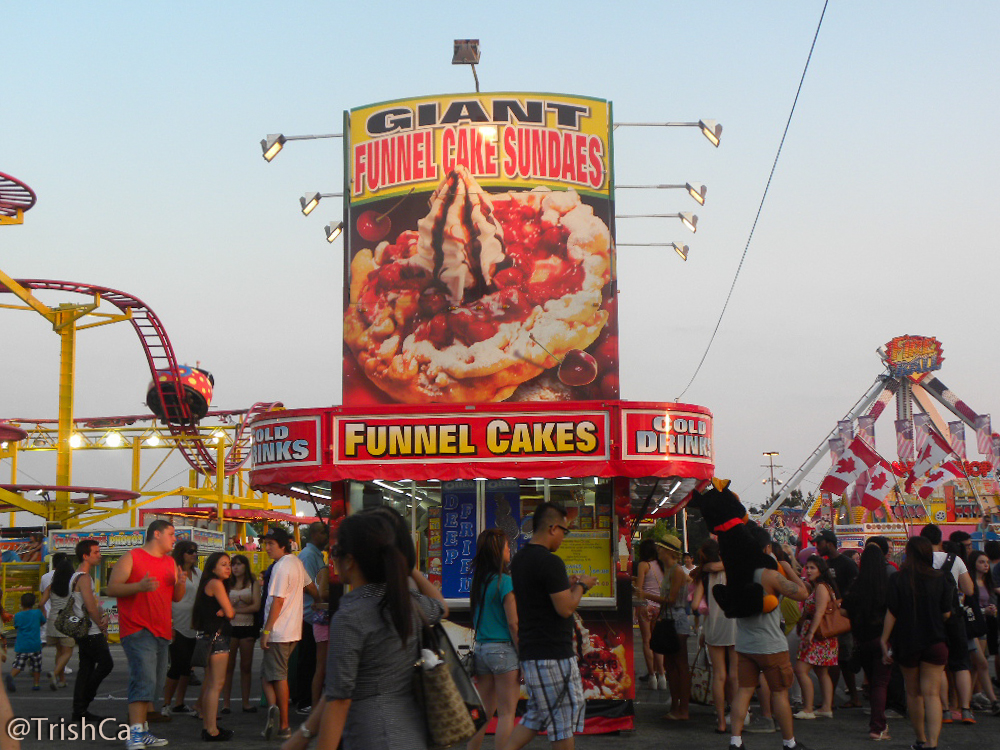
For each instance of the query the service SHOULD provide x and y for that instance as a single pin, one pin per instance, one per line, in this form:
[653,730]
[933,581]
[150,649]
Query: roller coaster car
[196,385]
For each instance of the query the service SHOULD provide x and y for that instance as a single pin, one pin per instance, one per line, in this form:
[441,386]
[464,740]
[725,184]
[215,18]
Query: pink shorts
[321,633]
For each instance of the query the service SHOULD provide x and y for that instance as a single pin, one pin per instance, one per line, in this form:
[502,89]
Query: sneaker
[304,710]
[823,714]
[967,716]
[271,725]
[653,683]
[799,745]
[661,682]
[67,669]
[760,725]
[737,747]
[36,687]
[284,734]
[53,684]
[8,681]
[141,740]
[180,709]
[804,715]
[980,702]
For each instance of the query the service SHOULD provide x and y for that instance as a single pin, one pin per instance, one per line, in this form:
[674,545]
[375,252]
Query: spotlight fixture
[711,130]
[466,52]
[271,145]
[113,440]
[681,250]
[697,191]
[309,201]
[333,230]
[689,220]
[153,440]
[75,440]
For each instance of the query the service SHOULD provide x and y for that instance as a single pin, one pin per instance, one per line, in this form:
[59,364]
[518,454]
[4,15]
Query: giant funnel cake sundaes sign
[479,250]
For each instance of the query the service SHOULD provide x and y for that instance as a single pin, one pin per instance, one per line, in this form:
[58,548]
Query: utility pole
[770,464]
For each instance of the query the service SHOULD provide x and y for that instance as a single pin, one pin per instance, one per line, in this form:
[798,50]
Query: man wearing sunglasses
[546,600]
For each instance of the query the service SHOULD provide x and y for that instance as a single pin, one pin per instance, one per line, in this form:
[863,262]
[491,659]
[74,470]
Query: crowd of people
[921,631]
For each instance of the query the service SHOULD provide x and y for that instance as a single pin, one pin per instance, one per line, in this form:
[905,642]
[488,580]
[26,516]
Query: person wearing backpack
[494,618]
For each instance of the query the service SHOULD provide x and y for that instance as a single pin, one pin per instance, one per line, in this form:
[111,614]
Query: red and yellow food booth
[481,358]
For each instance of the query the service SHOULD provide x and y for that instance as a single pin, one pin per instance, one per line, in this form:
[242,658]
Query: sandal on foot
[880,736]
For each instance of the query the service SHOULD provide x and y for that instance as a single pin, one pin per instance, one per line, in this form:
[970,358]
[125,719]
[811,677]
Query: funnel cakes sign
[479,252]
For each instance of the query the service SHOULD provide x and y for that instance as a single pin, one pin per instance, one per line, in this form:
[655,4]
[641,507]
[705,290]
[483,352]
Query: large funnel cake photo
[486,294]
[479,250]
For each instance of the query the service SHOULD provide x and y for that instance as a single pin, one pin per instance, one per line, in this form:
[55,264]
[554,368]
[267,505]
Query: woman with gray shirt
[374,641]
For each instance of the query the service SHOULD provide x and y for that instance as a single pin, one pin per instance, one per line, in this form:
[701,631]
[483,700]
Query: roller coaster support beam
[856,411]
[18,501]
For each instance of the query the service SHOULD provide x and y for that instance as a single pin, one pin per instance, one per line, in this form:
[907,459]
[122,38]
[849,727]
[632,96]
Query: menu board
[588,553]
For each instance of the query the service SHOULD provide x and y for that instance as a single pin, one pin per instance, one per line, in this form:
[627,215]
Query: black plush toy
[741,553]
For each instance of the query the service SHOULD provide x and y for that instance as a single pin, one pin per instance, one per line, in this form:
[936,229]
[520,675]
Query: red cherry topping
[371,228]
[577,368]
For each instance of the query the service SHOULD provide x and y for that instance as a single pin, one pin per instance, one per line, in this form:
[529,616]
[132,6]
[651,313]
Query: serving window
[446,518]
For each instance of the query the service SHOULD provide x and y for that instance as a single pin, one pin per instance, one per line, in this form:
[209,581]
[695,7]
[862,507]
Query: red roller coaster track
[14,195]
[160,356]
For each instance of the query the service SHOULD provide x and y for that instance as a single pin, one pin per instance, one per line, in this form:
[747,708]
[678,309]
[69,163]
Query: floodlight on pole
[333,230]
[695,189]
[309,201]
[466,52]
[680,249]
[711,129]
[687,219]
[271,145]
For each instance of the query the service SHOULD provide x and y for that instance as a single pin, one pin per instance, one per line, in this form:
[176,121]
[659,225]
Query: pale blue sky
[138,125]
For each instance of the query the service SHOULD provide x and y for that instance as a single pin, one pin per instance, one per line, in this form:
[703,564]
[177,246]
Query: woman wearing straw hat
[672,598]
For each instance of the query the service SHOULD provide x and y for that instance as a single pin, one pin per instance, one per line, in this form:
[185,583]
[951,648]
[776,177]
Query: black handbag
[975,621]
[202,649]
[663,639]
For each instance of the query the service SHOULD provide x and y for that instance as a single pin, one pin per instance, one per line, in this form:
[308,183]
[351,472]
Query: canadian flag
[936,477]
[880,484]
[934,451]
[856,458]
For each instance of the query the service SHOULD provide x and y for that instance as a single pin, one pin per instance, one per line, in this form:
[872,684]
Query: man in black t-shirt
[546,600]
[844,570]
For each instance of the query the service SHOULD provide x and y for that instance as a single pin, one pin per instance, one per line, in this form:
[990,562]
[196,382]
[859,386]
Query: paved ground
[847,731]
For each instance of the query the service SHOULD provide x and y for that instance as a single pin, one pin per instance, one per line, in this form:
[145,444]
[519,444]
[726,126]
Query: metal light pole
[770,459]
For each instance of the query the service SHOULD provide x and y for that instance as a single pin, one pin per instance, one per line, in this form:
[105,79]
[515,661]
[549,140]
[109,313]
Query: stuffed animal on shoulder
[741,552]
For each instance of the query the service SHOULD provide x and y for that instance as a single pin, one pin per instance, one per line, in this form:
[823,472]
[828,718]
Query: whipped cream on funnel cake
[464,308]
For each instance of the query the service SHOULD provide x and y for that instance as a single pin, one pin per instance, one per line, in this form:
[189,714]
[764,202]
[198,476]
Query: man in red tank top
[146,581]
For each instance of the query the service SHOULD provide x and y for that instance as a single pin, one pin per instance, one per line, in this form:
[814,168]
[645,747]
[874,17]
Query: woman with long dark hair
[816,653]
[185,554]
[919,602]
[244,595]
[57,594]
[212,617]
[865,605]
[986,592]
[718,632]
[373,640]
[649,576]
[494,618]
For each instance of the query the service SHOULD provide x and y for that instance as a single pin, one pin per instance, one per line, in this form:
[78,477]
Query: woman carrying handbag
[673,603]
[212,616]
[816,652]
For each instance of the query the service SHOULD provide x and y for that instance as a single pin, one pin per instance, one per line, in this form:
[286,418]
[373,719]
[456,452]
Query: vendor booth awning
[302,447]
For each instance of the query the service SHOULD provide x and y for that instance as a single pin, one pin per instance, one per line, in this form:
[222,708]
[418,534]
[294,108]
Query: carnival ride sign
[913,355]
[479,253]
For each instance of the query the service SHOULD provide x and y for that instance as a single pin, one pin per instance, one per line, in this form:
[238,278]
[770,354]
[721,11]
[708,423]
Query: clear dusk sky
[138,124]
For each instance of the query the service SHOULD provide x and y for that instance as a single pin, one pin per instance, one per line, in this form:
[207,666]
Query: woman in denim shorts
[494,617]
[212,616]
